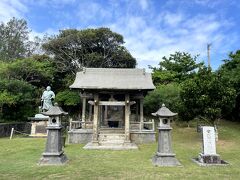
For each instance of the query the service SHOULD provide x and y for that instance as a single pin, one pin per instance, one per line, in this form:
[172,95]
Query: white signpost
[209,141]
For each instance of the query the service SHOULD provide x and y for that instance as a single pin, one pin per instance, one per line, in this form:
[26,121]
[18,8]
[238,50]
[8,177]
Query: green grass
[19,158]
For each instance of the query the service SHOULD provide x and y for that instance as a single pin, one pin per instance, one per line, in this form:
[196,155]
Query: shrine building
[112,109]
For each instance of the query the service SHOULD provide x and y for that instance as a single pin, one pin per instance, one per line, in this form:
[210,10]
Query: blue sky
[151,28]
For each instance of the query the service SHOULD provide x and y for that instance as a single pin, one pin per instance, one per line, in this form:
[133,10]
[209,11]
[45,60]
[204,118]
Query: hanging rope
[13,130]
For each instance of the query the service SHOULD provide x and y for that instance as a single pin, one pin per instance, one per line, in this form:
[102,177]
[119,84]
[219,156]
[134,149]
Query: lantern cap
[55,111]
[164,112]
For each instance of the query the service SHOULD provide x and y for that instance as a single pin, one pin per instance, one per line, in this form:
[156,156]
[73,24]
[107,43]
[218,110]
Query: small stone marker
[209,142]
[209,155]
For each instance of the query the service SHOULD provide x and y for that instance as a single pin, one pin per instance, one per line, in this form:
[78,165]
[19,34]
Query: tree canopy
[101,48]
[205,95]
[193,90]
[38,73]
[230,73]
[178,67]
[14,39]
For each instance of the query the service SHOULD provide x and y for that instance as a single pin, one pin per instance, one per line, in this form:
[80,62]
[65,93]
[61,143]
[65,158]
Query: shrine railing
[145,126]
[80,124]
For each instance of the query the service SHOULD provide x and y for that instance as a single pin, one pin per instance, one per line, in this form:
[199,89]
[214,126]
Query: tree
[168,94]
[69,100]
[205,95]
[230,73]
[176,68]
[14,39]
[73,49]
[33,71]
[21,85]
[17,98]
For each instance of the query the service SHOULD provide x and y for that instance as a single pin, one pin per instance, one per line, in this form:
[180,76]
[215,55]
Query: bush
[168,94]
[205,95]
[16,100]
[69,100]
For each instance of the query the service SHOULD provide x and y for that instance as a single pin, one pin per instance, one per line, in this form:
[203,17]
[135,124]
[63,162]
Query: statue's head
[48,88]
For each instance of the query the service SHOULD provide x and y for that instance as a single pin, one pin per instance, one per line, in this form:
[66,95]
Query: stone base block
[143,137]
[165,161]
[125,146]
[84,136]
[80,136]
[53,160]
[208,160]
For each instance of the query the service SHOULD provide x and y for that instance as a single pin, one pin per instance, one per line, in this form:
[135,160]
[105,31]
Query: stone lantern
[164,155]
[54,154]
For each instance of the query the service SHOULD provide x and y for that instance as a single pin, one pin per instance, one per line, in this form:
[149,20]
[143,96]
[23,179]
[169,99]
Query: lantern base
[53,159]
[170,160]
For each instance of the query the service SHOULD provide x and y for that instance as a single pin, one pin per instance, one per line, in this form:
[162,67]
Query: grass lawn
[19,157]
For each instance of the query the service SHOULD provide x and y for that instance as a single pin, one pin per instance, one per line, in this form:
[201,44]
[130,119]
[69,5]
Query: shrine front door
[112,116]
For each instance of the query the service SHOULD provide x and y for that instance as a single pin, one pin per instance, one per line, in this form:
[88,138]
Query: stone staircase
[111,139]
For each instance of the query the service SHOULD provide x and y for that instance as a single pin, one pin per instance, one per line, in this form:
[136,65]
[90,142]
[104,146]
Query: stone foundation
[165,160]
[53,159]
[84,136]
[209,159]
[143,137]
[80,136]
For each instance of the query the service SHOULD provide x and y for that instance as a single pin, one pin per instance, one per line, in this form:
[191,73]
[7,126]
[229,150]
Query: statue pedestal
[53,155]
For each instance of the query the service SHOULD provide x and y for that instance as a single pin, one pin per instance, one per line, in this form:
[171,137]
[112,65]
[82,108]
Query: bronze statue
[47,98]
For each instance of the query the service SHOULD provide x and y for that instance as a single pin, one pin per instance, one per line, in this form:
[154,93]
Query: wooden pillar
[95,119]
[137,110]
[105,115]
[83,110]
[127,118]
[100,115]
[141,114]
[90,113]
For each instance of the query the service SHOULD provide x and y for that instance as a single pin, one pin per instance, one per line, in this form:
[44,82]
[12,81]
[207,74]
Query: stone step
[112,131]
[110,143]
[104,138]
[128,146]
[111,137]
[107,139]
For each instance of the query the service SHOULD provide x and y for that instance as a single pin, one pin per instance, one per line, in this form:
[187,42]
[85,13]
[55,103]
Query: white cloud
[89,11]
[47,32]
[11,8]
[144,4]
[202,2]
[172,19]
[148,42]
[53,3]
